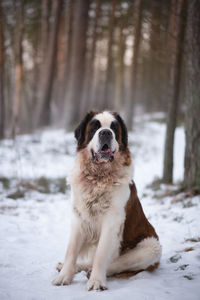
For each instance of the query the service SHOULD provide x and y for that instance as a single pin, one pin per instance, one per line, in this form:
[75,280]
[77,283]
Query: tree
[2,100]
[64,89]
[18,66]
[192,112]
[176,43]
[109,81]
[50,65]
[34,35]
[119,92]
[80,27]
[89,82]
[134,66]
[44,28]
[157,59]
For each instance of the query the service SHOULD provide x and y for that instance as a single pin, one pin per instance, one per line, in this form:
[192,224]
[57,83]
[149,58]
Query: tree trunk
[89,84]
[44,28]
[2,100]
[50,65]
[59,82]
[109,81]
[154,60]
[43,46]
[18,69]
[119,93]
[68,57]
[79,42]
[192,113]
[177,29]
[134,66]
[32,104]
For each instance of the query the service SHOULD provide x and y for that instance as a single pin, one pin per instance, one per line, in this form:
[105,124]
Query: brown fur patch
[128,274]
[127,157]
[136,227]
[152,268]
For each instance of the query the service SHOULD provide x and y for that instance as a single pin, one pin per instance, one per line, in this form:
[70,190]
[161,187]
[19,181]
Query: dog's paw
[62,279]
[96,284]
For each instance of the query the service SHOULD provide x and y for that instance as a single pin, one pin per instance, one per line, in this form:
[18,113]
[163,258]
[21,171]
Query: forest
[59,59]
[62,58]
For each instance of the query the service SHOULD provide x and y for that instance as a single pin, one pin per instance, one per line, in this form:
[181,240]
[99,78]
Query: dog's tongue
[104,155]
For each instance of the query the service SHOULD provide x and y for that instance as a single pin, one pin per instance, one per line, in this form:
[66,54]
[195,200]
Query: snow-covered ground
[35,218]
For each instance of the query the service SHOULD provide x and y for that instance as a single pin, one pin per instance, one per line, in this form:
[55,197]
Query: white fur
[75,242]
[95,144]
[145,254]
[109,239]
[97,237]
[105,118]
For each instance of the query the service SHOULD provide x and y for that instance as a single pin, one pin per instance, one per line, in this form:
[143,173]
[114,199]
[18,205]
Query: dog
[109,230]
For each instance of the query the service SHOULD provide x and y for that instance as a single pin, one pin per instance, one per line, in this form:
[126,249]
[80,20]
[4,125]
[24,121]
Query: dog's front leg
[75,242]
[108,243]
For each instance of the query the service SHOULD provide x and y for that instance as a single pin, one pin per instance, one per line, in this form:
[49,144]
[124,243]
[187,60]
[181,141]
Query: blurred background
[61,58]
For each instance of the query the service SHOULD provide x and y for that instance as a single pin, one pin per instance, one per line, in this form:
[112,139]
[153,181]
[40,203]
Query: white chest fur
[93,213]
[99,197]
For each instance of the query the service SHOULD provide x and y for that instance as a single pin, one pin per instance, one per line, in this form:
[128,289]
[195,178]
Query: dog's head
[103,135]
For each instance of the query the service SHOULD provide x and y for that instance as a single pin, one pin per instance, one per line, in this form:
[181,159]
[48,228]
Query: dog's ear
[79,132]
[124,132]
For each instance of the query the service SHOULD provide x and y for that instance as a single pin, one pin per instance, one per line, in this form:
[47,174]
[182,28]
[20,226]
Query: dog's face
[102,134]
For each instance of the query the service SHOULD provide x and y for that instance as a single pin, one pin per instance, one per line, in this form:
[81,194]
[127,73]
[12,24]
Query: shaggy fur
[109,230]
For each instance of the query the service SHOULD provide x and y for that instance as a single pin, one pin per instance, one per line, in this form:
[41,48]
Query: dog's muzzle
[104,153]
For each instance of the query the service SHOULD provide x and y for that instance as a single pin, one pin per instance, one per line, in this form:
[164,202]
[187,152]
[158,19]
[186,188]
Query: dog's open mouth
[103,155]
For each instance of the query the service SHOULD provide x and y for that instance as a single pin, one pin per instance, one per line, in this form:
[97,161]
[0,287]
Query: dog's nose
[105,133]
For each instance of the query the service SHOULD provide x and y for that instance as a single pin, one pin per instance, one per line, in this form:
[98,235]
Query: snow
[34,229]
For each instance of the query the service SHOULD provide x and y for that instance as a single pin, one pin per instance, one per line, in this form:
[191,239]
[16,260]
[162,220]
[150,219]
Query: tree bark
[109,80]
[176,43]
[153,93]
[43,46]
[134,66]
[50,65]
[44,28]
[18,68]
[68,57]
[80,26]
[192,113]
[59,82]
[119,93]
[2,100]
[89,83]
[32,104]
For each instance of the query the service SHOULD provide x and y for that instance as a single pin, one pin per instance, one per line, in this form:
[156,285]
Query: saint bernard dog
[109,231]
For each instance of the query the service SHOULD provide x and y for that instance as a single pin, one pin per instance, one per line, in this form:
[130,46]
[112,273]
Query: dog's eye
[115,128]
[94,126]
